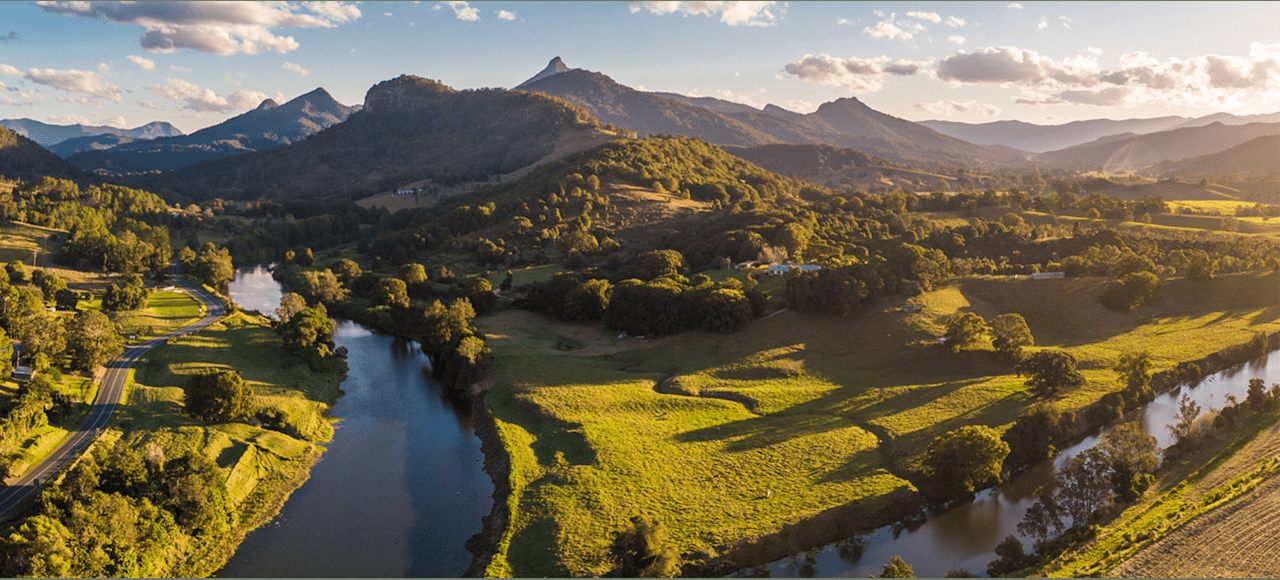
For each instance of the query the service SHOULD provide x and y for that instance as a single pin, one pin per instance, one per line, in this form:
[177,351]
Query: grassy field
[729,438]
[18,241]
[166,310]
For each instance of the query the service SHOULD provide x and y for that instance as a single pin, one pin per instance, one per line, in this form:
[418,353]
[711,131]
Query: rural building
[782,269]
[1047,275]
[404,192]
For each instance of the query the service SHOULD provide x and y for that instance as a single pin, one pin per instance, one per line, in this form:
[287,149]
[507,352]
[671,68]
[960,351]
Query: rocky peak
[555,67]
[405,93]
[268,105]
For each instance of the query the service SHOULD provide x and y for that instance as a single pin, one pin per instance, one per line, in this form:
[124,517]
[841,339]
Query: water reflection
[401,486]
[965,536]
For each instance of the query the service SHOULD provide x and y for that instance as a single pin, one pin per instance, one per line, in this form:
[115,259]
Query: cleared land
[729,438]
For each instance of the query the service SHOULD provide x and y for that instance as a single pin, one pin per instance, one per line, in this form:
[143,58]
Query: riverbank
[771,428]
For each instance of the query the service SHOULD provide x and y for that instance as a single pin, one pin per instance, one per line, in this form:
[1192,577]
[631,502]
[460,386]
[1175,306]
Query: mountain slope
[266,127]
[101,142]
[1042,138]
[1142,151]
[842,123]
[409,129]
[47,135]
[23,158]
[1259,156]
[555,67]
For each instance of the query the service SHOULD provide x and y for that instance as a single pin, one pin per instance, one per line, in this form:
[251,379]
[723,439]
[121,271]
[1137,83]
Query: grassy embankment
[262,467]
[793,417]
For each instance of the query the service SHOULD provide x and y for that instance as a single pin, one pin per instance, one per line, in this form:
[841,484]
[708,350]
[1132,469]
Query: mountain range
[269,126]
[47,135]
[409,129]
[1129,152]
[842,123]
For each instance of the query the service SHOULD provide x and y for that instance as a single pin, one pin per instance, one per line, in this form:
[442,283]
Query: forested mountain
[410,128]
[1041,138]
[266,127]
[101,142]
[844,123]
[852,169]
[22,158]
[1135,152]
[1259,156]
[48,135]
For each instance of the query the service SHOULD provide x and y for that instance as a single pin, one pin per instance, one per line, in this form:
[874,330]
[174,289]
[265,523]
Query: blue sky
[125,64]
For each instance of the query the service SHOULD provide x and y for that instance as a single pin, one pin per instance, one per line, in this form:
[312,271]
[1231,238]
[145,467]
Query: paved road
[13,496]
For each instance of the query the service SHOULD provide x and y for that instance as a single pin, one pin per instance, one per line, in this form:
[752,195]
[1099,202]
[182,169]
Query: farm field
[730,439]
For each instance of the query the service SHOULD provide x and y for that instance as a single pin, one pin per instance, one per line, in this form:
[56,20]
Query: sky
[196,64]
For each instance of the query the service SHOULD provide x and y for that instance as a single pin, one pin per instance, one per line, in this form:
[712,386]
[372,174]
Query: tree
[324,286]
[1049,371]
[6,355]
[1010,557]
[1188,411]
[37,548]
[587,301]
[1012,221]
[391,292]
[1132,290]
[658,263]
[345,269]
[1009,333]
[17,272]
[1084,487]
[1130,456]
[962,459]
[309,334]
[43,335]
[92,340]
[897,568]
[964,330]
[642,551]
[1043,519]
[1134,369]
[213,266]
[1033,436]
[290,304]
[412,274]
[218,395]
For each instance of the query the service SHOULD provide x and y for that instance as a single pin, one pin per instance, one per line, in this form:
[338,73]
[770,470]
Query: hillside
[849,168]
[409,129]
[1260,156]
[266,127]
[843,123]
[23,158]
[48,135]
[1042,138]
[1143,151]
[101,142]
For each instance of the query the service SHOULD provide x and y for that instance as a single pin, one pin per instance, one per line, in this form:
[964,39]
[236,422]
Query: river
[966,536]
[401,486]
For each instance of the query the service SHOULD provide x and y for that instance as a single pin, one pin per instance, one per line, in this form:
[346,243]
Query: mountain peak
[555,67]
[267,104]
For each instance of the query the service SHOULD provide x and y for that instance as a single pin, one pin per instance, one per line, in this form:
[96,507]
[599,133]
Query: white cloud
[799,106]
[463,10]
[892,28]
[117,122]
[731,13]
[855,74]
[69,119]
[1015,6]
[930,16]
[103,67]
[212,27]
[71,81]
[843,22]
[145,63]
[179,68]
[954,108]
[195,98]
[956,39]
[86,101]
[1210,81]
[745,99]
[295,68]
[148,104]
[1044,22]
[388,14]
[504,15]
[1066,22]
[955,21]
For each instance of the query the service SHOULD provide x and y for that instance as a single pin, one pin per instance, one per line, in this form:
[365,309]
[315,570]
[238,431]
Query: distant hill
[1229,119]
[1143,151]
[1259,156]
[843,168]
[409,129]
[101,142]
[1042,138]
[47,135]
[842,123]
[23,158]
[266,127]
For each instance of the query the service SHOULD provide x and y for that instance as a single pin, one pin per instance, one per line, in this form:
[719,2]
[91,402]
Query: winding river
[401,487]
[966,536]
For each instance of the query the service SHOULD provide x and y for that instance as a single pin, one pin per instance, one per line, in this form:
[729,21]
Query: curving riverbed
[401,486]
[966,536]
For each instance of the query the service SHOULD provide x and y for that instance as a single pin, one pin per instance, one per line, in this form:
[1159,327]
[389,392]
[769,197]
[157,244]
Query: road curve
[113,382]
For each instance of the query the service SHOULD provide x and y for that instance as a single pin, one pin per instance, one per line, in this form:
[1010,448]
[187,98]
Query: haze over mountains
[48,135]
[269,126]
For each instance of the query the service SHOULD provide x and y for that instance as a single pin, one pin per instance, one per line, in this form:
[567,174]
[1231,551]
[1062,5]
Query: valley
[579,327]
